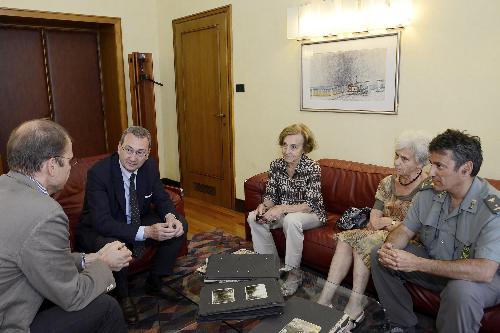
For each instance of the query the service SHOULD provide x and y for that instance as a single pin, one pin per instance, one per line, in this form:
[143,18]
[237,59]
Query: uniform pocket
[428,235]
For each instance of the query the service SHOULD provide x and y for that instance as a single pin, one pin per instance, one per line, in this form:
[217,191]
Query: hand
[274,213]
[259,214]
[392,226]
[398,260]
[159,231]
[115,255]
[386,255]
[175,224]
[261,209]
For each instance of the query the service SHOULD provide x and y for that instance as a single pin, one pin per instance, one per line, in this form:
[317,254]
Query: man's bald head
[33,142]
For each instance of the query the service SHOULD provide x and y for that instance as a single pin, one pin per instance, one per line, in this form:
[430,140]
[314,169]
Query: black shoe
[162,292]
[129,310]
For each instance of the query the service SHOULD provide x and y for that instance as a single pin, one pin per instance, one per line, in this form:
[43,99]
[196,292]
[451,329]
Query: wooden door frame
[220,10]
[111,51]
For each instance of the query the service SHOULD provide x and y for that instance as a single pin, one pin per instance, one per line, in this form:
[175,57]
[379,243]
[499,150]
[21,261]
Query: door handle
[220,115]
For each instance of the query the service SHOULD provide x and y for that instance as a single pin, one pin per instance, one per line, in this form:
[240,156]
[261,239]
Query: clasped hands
[171,228]
[398,260]
[266,215]
[115,255]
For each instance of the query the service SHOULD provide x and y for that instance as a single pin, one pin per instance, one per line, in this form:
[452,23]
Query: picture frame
[351,75]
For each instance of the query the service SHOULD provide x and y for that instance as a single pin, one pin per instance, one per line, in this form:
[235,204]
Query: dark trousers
[163,260]
[101,315]
[462,302]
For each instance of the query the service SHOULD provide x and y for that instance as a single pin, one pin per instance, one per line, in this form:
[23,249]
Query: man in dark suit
[43,286]
[120,190]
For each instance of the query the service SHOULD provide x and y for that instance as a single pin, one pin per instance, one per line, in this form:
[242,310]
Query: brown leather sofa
[71,200]
[347,184]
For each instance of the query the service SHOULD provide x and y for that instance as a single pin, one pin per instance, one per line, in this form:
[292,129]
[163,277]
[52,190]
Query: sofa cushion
[347,184]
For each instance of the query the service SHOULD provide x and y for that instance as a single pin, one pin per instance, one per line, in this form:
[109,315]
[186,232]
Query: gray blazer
[35,257]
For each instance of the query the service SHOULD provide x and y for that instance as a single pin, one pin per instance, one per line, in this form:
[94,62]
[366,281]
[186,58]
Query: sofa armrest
[255,187]
[176,195]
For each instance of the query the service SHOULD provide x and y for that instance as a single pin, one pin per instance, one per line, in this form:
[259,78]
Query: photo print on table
[256,291]
[298,325]
[222,296]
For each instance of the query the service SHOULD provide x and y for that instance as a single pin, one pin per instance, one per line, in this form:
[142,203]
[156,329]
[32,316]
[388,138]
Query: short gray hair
[137,131]
[417,142]
[34,142]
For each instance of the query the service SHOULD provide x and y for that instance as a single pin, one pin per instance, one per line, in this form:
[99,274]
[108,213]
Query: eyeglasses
[141,153]
[72,161]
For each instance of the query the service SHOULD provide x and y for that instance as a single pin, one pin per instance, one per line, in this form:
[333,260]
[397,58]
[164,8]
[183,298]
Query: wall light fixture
[330,18]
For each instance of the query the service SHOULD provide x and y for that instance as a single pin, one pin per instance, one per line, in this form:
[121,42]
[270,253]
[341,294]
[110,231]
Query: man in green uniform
[458,219]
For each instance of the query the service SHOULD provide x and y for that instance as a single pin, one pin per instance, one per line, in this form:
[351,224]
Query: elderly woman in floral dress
[292,201]
[392,200]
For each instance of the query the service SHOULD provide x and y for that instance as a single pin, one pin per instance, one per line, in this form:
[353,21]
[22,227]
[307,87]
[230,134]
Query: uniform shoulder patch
[426,184]
[493,203]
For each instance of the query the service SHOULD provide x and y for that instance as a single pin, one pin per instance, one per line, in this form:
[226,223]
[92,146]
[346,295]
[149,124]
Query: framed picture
[351,75]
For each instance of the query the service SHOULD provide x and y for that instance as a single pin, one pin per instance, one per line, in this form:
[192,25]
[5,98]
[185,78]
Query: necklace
[411,181]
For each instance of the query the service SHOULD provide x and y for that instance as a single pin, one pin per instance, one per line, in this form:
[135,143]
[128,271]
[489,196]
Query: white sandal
[290,286]
[346,323]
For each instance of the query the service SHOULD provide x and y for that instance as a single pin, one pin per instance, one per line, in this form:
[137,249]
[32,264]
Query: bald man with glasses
[118,197]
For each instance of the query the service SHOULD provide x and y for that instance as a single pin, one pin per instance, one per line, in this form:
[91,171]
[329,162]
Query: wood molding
[210,12]
[55,16]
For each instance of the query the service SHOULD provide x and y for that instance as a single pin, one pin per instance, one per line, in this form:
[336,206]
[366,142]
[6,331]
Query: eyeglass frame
[139,153]
[72,161]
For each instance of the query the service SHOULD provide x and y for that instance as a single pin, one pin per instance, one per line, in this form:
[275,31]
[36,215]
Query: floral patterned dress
[363,240]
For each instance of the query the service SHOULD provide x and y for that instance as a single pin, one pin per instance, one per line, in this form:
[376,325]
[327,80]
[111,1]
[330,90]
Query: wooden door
[23,83]
[76,90]
[65,67]
[202,44]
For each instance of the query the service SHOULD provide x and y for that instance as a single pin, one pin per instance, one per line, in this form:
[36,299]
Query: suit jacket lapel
[118,182]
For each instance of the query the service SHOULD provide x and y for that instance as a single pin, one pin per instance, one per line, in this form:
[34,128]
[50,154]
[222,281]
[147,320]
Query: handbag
[354,218]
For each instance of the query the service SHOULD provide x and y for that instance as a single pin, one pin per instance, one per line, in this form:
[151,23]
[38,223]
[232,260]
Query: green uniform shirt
[472,230]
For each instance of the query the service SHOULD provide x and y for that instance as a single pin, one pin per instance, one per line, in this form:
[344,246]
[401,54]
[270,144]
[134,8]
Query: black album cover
[241,267]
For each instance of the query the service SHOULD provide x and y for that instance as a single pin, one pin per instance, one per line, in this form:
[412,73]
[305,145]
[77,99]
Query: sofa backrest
[71,197]
[495,183]
[347,184]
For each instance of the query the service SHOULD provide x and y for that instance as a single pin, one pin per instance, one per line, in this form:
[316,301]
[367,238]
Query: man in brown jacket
[35,259]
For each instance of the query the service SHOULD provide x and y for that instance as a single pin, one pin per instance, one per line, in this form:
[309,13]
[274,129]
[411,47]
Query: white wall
[450,73]
[449,76]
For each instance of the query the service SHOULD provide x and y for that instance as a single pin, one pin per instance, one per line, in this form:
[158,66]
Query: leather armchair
[71,200]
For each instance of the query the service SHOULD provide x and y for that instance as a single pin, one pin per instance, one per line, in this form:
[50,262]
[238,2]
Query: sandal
[346,323]
[291,285]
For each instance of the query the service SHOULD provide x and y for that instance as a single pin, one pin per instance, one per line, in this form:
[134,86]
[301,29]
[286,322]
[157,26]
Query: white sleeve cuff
[140,234]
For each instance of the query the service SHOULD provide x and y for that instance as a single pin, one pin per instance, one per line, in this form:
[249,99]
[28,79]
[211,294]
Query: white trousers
[293,225]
